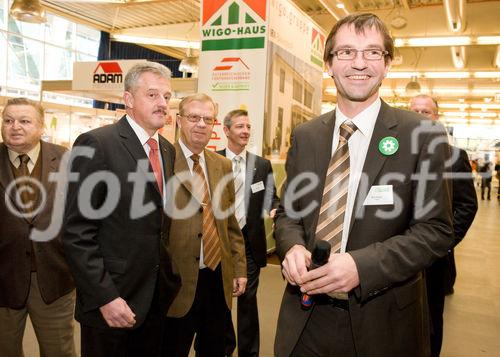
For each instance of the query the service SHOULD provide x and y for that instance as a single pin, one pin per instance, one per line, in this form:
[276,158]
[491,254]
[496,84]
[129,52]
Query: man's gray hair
[135,72]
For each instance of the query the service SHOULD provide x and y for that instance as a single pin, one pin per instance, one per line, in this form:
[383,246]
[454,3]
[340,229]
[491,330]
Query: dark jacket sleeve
[464,194]
[80,236]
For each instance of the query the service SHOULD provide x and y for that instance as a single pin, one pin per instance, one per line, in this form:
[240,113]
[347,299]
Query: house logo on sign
[231,74]
[108,72]
[233,25]
[317,47]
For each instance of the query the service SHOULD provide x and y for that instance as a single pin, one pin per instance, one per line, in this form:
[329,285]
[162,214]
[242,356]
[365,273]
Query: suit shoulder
[58,150]
[314,124]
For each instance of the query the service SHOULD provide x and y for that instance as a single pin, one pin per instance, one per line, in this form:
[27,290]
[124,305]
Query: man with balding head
[34,277]
[440,276]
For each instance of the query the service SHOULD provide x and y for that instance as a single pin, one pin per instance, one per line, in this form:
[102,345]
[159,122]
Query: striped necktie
[334,201]
[210,237]
[239,192]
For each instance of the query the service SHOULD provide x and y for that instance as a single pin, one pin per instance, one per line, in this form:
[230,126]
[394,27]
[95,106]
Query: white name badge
[379,195]
[258,186]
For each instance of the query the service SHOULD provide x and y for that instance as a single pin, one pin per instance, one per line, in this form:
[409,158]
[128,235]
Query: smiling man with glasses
[207,246]
[369,298]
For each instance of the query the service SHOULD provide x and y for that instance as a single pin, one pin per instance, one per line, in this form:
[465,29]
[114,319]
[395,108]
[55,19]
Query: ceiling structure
[464,78]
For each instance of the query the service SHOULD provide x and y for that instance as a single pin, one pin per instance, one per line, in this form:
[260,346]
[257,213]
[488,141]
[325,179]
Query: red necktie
[155,162]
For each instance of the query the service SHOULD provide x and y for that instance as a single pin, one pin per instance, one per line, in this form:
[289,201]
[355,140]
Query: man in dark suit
[34,276]
[255,195]
[206,241]
[369,180]
[441,275]
[116,231]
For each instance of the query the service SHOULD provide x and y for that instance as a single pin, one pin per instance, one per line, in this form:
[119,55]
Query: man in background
[255,194]
[34,276]
[124,275]
[441,275]
[206,243]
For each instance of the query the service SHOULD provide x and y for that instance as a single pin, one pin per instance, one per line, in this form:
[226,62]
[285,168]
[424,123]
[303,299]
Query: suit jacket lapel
[49,164]
[323,152]
[180,166]
[6,175]
[374,161]
[251,169]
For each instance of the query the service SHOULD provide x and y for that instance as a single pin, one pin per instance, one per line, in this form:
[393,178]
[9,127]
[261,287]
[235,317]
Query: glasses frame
[383,53]
[197,118]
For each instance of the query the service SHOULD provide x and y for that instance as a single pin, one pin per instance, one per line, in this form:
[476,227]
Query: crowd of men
[159,237]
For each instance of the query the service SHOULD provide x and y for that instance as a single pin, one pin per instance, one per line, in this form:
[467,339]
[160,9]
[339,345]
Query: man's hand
[340,274]
[239,285]
[272,213]
[295,264]
[118,314]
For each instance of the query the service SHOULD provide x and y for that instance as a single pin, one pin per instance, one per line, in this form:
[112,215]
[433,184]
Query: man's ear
[128,99]
[226,129]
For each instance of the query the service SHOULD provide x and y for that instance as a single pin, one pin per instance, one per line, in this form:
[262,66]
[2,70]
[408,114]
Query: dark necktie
[25,188]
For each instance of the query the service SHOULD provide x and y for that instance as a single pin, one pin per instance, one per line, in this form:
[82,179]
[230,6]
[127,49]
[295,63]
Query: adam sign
[101,75]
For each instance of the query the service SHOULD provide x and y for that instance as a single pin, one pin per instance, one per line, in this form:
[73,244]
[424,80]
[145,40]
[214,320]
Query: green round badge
[388,145]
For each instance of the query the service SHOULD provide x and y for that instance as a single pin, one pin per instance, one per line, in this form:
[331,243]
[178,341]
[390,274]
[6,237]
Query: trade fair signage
[101,75]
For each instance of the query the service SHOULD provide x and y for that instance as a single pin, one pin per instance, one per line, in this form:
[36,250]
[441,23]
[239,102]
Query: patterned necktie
[155,163]
[24,188]
[239,192]
[334,201]
[210,237]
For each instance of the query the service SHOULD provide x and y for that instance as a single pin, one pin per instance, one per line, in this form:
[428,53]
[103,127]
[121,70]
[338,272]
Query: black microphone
[320,256]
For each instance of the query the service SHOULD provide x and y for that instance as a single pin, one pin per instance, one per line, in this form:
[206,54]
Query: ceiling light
[491,74]
[455,14]
[189,64]
[497,57]
[340,5]
[413,88]
[401,75]
[398,22]
[488,40]
[447,74]
[28,11]
[157,41]
[438,41]
[458,56]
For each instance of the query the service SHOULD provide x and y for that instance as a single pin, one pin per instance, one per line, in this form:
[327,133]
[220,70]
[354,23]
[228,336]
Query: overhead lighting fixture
[458,56]
[455,14]
[398,22]
[157,41]
[189,64]
[401,75]
[488,40]
[446,75]
[446,41]
[497,57]
[28,11]
[413,88]
[340,5]
[438,41]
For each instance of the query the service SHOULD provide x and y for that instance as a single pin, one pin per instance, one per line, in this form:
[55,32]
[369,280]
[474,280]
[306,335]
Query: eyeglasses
[194,118]
[369,54]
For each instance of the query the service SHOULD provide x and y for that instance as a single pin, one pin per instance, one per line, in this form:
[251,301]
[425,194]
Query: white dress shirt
[143,137]
[33,154]
[358,147]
